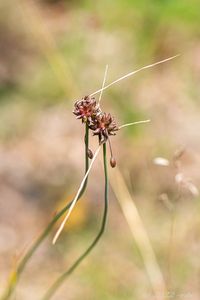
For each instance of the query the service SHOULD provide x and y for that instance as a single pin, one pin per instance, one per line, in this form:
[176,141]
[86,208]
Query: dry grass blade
[139,233]
[76,197]
[134,72]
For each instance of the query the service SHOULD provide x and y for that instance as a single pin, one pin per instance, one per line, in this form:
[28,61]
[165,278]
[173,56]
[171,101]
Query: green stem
[19,269]
[51,291]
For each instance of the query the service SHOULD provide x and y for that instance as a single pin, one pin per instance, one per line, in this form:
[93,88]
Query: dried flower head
[103,126]
[86,109]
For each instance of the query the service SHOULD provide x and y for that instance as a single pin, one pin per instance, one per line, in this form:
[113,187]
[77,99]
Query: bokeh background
[53,53]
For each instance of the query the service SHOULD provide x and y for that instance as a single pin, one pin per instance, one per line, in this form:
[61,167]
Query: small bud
[89,153]
[112,162]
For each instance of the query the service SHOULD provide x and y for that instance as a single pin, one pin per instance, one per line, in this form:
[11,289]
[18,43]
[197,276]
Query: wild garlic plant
[102,125]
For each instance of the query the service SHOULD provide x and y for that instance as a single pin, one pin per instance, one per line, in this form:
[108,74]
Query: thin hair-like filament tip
[134,123]
[103,84]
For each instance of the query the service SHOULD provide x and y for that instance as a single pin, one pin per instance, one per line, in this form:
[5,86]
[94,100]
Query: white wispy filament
[134,72]
[103,84]
[76,198]
[134,123]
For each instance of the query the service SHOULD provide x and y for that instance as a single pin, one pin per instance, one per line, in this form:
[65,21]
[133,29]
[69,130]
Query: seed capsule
[112,162]
[89,153]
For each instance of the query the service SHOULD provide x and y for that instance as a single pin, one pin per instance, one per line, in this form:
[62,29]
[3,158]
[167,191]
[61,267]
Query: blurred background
[54,52]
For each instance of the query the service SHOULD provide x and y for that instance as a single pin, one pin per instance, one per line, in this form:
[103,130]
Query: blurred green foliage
[87,35]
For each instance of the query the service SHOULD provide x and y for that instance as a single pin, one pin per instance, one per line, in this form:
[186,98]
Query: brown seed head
[103,126]
[86,109]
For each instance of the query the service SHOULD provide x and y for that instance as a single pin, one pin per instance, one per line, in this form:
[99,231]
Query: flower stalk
[52,290]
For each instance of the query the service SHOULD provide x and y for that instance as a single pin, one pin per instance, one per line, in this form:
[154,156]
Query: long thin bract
[134,72]
[76,197]
[134,123]
[103,84]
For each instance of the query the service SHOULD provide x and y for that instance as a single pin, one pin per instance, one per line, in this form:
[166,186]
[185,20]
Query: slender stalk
[62,278]
[15,275]
[111,153]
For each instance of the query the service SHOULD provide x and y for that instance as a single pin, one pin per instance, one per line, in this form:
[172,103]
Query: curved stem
[15,275]
[62,278]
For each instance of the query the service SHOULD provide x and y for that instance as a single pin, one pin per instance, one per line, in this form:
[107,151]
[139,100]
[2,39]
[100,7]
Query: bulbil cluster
[86,109]
[102,124]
